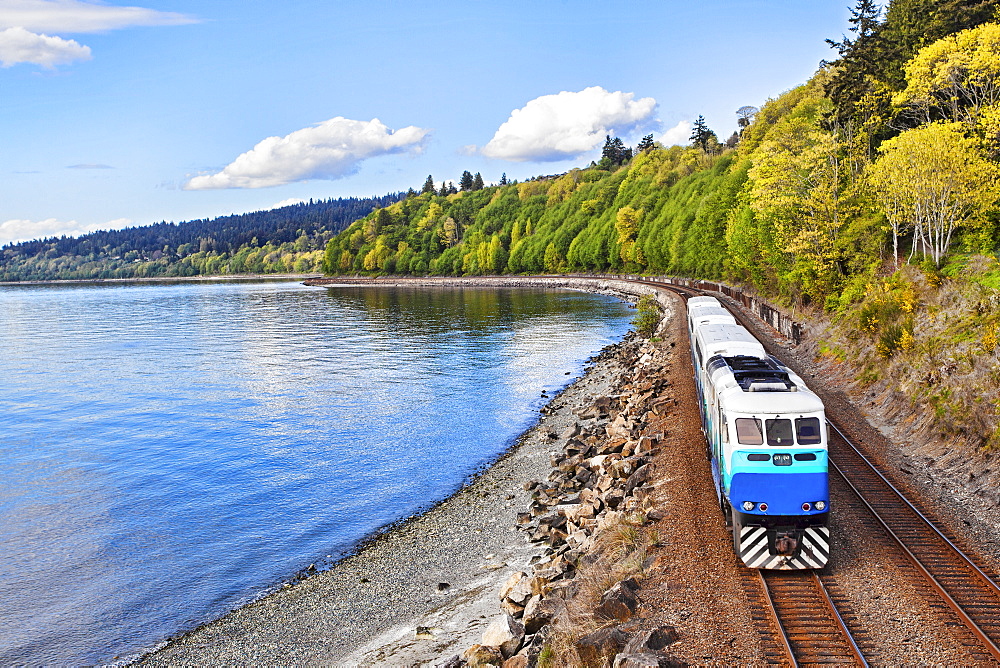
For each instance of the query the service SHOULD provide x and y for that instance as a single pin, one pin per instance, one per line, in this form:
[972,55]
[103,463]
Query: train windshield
[748,431]
[807,431]
[779,431]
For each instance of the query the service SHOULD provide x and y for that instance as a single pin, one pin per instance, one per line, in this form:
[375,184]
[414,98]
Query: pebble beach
[419,591]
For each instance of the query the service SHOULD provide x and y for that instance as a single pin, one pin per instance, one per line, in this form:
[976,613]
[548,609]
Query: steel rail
[959,611]
[813,629]
[775,618]
[990,583]
[840,620]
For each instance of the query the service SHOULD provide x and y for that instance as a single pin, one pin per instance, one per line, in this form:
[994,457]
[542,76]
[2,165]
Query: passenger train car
[767,444]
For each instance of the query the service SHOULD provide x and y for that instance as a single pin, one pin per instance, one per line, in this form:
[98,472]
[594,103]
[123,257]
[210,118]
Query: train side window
[779,431]
[748,431]
[723,426]
[807,431]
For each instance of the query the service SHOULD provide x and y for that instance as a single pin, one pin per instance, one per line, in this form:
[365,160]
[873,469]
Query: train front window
[807,431]
[748,431]
[779,432]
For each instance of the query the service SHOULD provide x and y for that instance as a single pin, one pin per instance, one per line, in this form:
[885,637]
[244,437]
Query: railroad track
[968,590]
[810,628]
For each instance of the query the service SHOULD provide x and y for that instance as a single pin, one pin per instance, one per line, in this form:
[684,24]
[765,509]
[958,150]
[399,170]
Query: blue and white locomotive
[767,444]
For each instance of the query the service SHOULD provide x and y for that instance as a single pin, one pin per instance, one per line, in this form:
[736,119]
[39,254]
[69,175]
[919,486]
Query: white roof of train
[727,339]
[693,301]
[763,403]
[707,309]
[763,389]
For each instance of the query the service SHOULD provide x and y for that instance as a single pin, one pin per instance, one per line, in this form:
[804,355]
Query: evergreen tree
[477,182]
[465,183]
[646,144]
[702,135]
[615,152]
[503,179]
[608,152]
[428,185]
[444,189]
[864,22]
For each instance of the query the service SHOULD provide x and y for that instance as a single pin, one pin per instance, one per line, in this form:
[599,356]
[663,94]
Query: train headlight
[821,505]
[748,505]
[762,507]
[806,507]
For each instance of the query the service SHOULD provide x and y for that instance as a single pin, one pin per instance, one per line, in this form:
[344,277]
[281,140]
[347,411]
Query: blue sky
[116,114]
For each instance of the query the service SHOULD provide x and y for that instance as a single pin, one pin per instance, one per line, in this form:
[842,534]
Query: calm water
[168,452]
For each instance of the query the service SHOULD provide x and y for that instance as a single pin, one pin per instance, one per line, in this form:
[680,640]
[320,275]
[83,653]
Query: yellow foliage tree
[957,76]
[796,187]
[378,254]
[428,219]
[932,179]
[627,225]
[449,232]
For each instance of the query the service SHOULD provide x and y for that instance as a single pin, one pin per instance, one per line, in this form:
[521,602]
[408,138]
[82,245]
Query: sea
[171,451]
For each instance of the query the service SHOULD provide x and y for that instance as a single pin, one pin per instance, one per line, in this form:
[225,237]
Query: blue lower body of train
[785,536]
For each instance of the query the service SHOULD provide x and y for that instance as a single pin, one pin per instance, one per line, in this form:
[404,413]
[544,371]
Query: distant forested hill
[287,239]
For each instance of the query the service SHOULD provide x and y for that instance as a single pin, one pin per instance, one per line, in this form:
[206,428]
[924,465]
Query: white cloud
[18,45]
[13,231]
[73,16]
[330,150]
[567,125]
[679,134]
[288,202]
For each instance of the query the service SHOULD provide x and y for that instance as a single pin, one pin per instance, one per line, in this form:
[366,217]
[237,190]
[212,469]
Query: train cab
[767,445]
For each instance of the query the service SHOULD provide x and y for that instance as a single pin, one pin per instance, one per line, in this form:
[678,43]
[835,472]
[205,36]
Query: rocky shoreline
[427,589]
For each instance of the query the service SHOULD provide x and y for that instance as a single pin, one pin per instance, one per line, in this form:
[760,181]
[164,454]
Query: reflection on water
[171,451]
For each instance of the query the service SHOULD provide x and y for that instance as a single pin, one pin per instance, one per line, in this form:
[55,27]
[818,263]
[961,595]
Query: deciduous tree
[932,179]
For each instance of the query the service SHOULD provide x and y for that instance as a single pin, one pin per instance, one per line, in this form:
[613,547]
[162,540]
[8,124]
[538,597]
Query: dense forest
[286,239]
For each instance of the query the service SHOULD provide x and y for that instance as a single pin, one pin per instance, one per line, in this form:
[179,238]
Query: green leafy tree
[932,180]
[477,182]
[647,316]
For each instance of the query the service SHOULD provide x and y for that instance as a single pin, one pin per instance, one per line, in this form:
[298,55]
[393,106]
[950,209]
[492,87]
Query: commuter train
[767,442]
